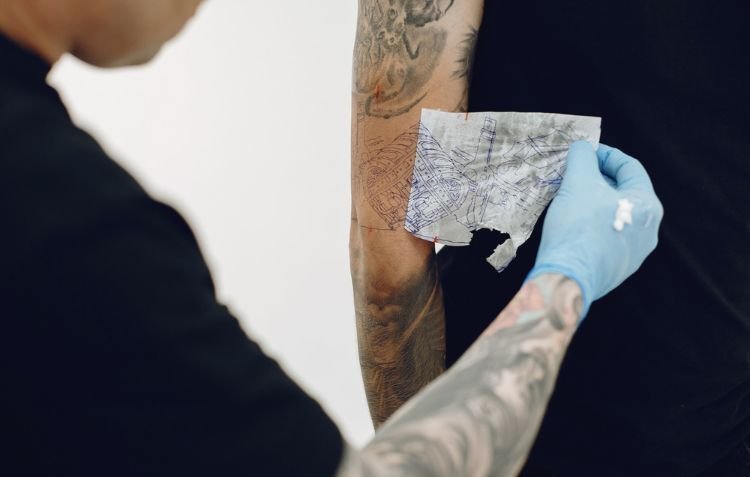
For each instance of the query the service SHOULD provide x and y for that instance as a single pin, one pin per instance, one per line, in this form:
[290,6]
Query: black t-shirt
[115,357]
[657,380]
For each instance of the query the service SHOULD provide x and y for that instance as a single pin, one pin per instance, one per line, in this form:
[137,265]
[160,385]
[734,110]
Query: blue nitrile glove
[580,240]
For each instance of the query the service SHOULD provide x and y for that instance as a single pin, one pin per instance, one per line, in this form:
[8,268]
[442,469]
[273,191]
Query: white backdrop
[242,124]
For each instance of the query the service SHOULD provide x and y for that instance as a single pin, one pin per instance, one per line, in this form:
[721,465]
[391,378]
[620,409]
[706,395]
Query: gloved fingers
[583,167]
[647,209]
[627,172]
[611,182]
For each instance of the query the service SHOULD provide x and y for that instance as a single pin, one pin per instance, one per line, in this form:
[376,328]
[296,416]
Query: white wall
[243,124]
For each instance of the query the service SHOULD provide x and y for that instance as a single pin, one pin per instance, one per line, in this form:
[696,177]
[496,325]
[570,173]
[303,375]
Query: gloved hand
[580,237]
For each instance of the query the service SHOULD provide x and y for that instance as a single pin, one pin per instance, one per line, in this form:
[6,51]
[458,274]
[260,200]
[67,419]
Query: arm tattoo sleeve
[398,47]
[401,341]
[482,416]
[408,54]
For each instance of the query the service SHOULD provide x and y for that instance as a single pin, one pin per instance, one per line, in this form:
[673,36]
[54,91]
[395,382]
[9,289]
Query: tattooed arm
[408,54]
[482,416]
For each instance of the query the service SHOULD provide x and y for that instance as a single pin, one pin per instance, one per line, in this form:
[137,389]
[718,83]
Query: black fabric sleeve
[117,358]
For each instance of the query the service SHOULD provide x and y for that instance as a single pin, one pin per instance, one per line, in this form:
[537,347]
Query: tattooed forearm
[401,341]
[482,417]
[398,300]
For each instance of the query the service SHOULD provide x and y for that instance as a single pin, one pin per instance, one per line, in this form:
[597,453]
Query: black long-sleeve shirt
[657,380]
[115,357]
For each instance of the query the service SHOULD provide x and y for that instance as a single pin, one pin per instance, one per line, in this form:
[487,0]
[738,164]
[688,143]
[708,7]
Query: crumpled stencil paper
[495,171]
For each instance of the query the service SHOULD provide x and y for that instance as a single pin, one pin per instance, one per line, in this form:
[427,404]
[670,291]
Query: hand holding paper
[490,170]
[586,235]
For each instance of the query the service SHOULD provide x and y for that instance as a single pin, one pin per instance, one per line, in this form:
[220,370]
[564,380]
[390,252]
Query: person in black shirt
[662,386]
[116,358]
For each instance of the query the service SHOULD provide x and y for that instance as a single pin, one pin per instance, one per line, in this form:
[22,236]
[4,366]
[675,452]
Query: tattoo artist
[118,360]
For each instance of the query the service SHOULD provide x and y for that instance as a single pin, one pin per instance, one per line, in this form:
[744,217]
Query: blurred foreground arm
[482,416]
[408,55]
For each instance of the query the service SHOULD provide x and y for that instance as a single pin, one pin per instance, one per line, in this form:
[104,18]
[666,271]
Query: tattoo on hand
[398,46]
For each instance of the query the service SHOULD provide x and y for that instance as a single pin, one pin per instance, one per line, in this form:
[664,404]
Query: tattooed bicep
[399,45]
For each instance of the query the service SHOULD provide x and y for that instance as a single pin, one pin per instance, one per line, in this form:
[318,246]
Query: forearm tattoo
[397,297]
[401,341]
[482,416]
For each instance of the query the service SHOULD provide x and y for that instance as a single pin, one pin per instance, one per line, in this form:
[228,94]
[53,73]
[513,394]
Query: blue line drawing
[514,171]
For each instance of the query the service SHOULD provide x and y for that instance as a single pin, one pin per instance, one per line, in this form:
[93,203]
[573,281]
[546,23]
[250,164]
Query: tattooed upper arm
[406,53]
[465,65]
[399,46]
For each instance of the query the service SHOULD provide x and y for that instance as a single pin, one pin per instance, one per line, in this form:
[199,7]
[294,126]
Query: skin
[481,417]
[408,55]
[103,33]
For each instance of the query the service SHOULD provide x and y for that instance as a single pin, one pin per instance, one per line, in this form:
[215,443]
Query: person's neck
[34,26]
